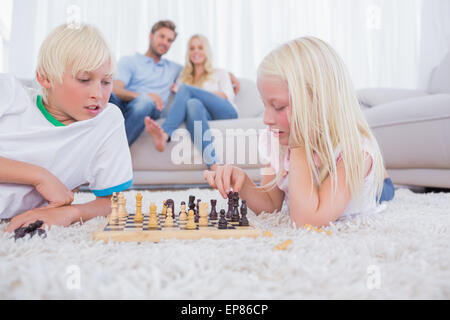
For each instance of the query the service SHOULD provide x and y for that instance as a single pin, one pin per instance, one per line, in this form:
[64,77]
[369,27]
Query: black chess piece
[235,212]
[31,229]
[244,221]
[230,205]
[213,213]
[197,213]
[223,223]
[191,204]
[182,204]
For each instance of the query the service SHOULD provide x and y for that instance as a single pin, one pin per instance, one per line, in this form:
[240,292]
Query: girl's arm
[258,200]
[311,204]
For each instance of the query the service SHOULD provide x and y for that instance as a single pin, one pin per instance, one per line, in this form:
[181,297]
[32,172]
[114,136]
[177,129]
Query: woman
[202,94]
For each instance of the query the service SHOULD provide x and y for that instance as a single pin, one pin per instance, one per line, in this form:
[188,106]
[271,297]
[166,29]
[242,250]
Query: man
[143,82]
[142,86]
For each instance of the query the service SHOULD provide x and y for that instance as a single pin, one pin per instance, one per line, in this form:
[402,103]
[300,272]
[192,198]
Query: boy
[52,143]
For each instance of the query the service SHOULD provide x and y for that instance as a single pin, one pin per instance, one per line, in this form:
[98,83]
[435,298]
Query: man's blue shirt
[141,74]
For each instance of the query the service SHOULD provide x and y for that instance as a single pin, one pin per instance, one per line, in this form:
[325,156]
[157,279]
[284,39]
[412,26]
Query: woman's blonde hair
[325,112]
[187,74]
[82,48]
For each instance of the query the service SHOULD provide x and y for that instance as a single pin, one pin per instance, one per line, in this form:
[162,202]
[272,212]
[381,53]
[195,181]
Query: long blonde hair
[325,112]
[187,74]
[82,48]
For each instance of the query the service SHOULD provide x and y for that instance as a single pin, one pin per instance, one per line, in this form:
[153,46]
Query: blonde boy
[52,143]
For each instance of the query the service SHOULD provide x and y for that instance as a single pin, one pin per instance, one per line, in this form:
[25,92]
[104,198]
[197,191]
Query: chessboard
[161,224]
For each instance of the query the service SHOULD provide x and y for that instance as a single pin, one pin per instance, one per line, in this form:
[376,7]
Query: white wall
[378,39]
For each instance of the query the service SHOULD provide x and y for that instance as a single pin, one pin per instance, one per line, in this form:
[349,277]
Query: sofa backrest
[247,101]
[440,77]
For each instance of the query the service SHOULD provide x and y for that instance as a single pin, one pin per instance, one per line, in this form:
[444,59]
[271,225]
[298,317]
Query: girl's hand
[174,88]
[53,190]
[224,177]
[62,216]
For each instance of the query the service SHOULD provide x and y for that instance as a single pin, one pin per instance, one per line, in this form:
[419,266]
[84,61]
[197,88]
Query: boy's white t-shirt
[93,151]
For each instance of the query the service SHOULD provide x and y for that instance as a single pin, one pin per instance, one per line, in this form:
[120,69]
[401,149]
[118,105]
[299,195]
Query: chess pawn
[213,213]
[197,213]
[244,221]
[203,213]
[153,220]
[222,224]
[191,225]
[182,216]
[114,216]
[139,216]
[122,206]
[169,219]
[152,208]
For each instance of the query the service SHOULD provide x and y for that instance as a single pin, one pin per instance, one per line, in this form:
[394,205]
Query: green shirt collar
[47,114]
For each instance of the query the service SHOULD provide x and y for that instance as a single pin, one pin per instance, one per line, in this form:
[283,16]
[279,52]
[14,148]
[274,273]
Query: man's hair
[164,24]
[83,49]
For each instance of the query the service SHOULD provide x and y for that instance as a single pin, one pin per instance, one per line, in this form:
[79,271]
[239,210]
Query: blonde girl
[329,164]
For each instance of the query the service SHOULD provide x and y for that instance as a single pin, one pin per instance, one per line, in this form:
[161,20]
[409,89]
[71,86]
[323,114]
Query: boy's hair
[83,49]
[164,24]
[187,74]
[325,111]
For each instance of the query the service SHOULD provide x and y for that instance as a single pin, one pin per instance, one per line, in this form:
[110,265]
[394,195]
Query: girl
[329,163]
[202,94]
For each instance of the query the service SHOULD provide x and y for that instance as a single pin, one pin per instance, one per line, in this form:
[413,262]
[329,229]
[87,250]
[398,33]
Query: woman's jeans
[197,106]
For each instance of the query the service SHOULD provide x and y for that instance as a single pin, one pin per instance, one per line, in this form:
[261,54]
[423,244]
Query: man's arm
[122,93]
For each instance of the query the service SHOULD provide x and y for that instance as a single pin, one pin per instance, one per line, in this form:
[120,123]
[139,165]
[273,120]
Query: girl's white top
[368,204]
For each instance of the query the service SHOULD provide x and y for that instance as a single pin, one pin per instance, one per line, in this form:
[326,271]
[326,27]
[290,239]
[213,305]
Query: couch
[413,129]
[164,169]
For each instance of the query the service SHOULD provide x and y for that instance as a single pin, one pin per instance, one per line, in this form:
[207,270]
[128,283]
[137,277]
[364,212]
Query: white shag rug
[401,253]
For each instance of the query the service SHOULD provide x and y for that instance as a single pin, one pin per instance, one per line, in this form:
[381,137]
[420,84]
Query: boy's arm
[101,206]
[12,171]
[63,216]
[49,186]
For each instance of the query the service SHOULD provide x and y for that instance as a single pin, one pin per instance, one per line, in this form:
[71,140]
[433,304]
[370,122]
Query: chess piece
[235,212]
[164,209]
[169,219]
[114,216]
[244,221]
[191,204]
[213,213]
[191,225]
[171,204]
[153,218]
[230,205]
[222,224]
[197,215]
[139,217]
[122,206]
[203,214]
[182,216]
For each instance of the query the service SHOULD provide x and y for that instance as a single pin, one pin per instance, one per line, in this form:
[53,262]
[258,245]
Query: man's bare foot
[158,134]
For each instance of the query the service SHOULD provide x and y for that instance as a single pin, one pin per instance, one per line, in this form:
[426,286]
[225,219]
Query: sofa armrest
[370,97]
